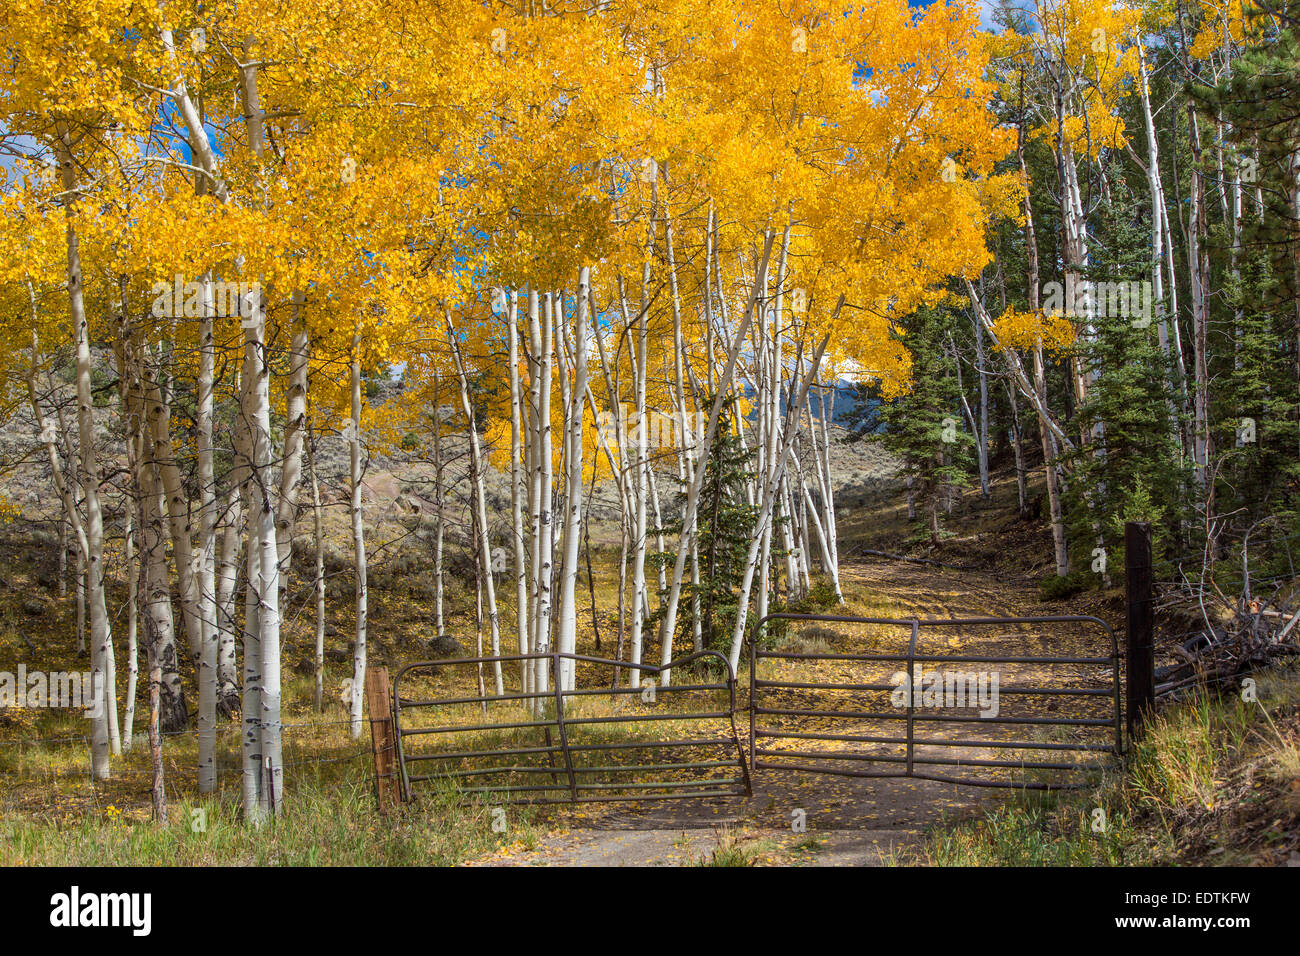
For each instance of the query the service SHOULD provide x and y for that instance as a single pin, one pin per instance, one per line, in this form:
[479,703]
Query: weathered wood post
[383,737]
[1141,682]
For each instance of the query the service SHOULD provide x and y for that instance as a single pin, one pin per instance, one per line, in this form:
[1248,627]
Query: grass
[51,813]
[734,849]
[325,822]
[1215,779]
[809,844]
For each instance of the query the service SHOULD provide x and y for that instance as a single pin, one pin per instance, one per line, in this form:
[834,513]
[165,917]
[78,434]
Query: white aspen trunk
[1159,232]
[768,498]
[545,543]
[128,390]
[684,443]
[1157,199]
[771,438]
[794,503]
[262,548]
[1017,445]
[828,496]
[358,545]
[251,698]
[439,494]
[660,545]
[480,506]
[516,496]
[1175,327]
[79,589]
[157,791]
[1200,338]
[573,501]
[132,636]
[206,555]
[821,536]
[982,428]
[200,145]
[286,506]
[104,732]
[228,693]
[179,511]
[158,602]
[708,304]
[537,683]
[690,509]
[318,580]
[1036,391]
[615,445]
[63,557]
[687,436]
[262,622]
[1076,257]
[261,506]
[793,580]
[71,516]
[563,368]
[251,685]
[761,403]
[804,537]
[1052,476]
[1234,219]
[778,317]
[158,620]
[639,600]
[559,523]
[722,388]
[825,527]
[479,572]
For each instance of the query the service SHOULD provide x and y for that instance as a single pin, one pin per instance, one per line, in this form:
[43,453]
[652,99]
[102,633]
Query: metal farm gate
[836,699]
[592,743]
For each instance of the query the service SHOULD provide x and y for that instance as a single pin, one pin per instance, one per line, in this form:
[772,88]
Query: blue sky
[986,8]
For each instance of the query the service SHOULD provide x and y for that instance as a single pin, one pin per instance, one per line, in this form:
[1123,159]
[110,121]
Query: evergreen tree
[923,428]
[1133,456]
[724,525]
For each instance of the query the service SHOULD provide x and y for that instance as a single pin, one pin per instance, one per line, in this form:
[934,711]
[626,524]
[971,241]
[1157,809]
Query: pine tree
[725,525]
[923,427]
[1128,409]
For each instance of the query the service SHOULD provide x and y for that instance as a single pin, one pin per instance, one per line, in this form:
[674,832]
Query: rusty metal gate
[592,743]
[837,698]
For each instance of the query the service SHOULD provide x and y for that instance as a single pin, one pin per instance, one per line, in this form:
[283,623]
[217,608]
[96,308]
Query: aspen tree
[566,625]
[357,698]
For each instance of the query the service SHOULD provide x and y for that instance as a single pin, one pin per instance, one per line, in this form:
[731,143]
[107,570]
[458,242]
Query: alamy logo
[59,689]
[1085,299]
[977,689]
[182,299]
[74,909]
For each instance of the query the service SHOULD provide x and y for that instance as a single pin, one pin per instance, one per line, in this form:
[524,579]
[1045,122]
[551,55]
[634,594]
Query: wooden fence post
[1141,682]
[383,737]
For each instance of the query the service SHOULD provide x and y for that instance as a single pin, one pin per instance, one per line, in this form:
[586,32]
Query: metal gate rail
[907,763]
[538,755]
